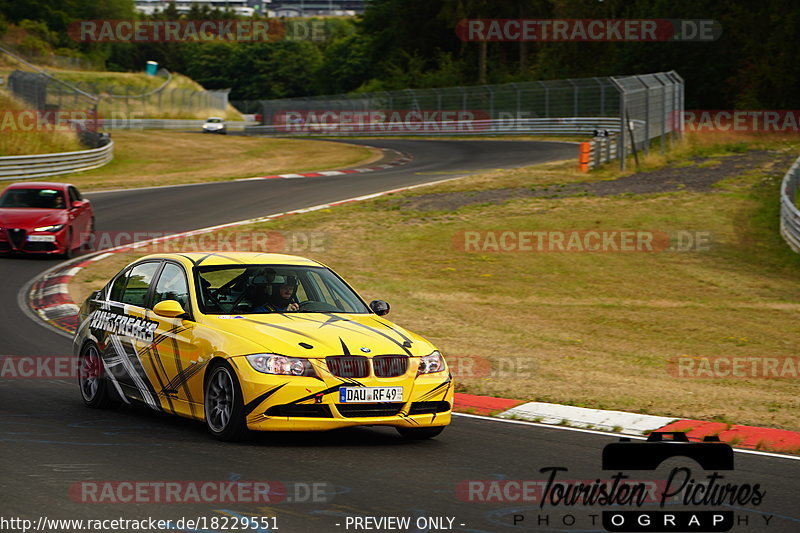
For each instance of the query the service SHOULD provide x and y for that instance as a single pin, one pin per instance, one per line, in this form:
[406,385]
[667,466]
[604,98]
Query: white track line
[616,435]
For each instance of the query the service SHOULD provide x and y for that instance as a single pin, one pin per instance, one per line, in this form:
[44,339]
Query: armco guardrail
[44,165]
[790,215]
[164,124]
[526,126]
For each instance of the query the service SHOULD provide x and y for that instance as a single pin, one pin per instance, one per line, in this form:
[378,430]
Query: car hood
[326,333]
[29,217]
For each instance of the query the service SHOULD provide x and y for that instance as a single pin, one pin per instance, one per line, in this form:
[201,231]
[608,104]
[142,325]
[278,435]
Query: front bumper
[290,403]
[17,242]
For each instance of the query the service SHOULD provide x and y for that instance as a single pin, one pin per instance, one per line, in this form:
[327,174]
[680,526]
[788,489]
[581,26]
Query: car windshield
[214,120]
[35,198]
[253,289]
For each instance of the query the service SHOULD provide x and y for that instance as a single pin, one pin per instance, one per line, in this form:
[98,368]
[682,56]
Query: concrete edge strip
[402,159]
[752,438]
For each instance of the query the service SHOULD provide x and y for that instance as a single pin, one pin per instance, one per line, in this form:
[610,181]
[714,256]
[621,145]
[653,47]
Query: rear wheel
[224,407]
[95,390]
[420,433]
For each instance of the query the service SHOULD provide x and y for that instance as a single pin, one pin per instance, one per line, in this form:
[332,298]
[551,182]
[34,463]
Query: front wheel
[420,433]
[224,407]
[95,390]
[69,252]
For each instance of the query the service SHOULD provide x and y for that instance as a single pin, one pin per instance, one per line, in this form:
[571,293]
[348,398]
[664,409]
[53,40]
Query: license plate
[41,238]
[370,394]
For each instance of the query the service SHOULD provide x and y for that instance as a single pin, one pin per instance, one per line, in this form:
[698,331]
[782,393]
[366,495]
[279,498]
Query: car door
[173,354]
[80,216]
[124,327]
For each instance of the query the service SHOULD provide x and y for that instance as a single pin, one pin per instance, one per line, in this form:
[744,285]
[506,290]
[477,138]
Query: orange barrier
[584,155]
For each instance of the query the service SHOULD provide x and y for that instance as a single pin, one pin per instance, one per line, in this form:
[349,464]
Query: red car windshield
[36,198]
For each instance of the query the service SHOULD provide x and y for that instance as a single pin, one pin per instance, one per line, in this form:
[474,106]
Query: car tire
[223,403]
[69,252]
[95,390]
[420,433]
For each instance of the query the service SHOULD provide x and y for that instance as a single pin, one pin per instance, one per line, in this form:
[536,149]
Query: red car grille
[17,237]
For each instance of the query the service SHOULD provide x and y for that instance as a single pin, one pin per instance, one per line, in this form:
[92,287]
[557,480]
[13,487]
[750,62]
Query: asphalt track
[51,441]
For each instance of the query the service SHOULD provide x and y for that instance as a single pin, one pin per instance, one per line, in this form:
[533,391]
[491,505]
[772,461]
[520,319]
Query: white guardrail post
[44,165]
[790,215]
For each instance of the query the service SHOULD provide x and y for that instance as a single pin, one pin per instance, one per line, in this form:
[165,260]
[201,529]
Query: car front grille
[357,410]
[348,366]
[428,408]
[17,237]
[389,366]
[313,410]
[40,246]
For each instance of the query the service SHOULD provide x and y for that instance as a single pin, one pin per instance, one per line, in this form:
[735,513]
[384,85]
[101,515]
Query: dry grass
[15,142]
[601,327]
[152,158]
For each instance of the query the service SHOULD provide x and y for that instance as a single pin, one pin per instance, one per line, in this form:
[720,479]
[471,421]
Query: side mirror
[379,307]
[76,204]
[170,309]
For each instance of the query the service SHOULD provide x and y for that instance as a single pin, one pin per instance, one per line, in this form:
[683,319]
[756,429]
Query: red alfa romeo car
[44,218]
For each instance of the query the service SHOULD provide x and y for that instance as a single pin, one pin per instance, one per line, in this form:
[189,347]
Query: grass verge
[153,158]
[31,142]
[602,327]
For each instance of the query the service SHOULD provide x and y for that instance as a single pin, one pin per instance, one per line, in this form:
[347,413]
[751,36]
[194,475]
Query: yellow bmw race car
[256,341]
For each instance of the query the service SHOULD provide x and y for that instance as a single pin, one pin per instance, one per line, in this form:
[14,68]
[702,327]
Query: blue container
[152,68]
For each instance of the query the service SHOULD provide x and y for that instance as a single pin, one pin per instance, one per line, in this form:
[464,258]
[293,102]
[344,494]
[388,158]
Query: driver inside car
[281,298]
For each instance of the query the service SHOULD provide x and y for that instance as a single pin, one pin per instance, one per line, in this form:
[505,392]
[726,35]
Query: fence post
[574,98]
[546,99]
[646,144]
[622,123]
[518,95]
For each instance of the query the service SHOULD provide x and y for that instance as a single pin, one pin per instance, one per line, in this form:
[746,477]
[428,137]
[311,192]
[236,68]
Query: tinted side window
[172,285]
[118,287]
[138,285]
[74,194]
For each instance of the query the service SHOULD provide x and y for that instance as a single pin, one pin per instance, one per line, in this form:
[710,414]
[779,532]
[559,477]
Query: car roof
[211,118]
[39,185]
[212,258]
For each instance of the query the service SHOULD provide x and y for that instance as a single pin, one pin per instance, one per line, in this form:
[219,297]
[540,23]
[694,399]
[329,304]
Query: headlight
[280,365]
[430,364]
[53,228]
